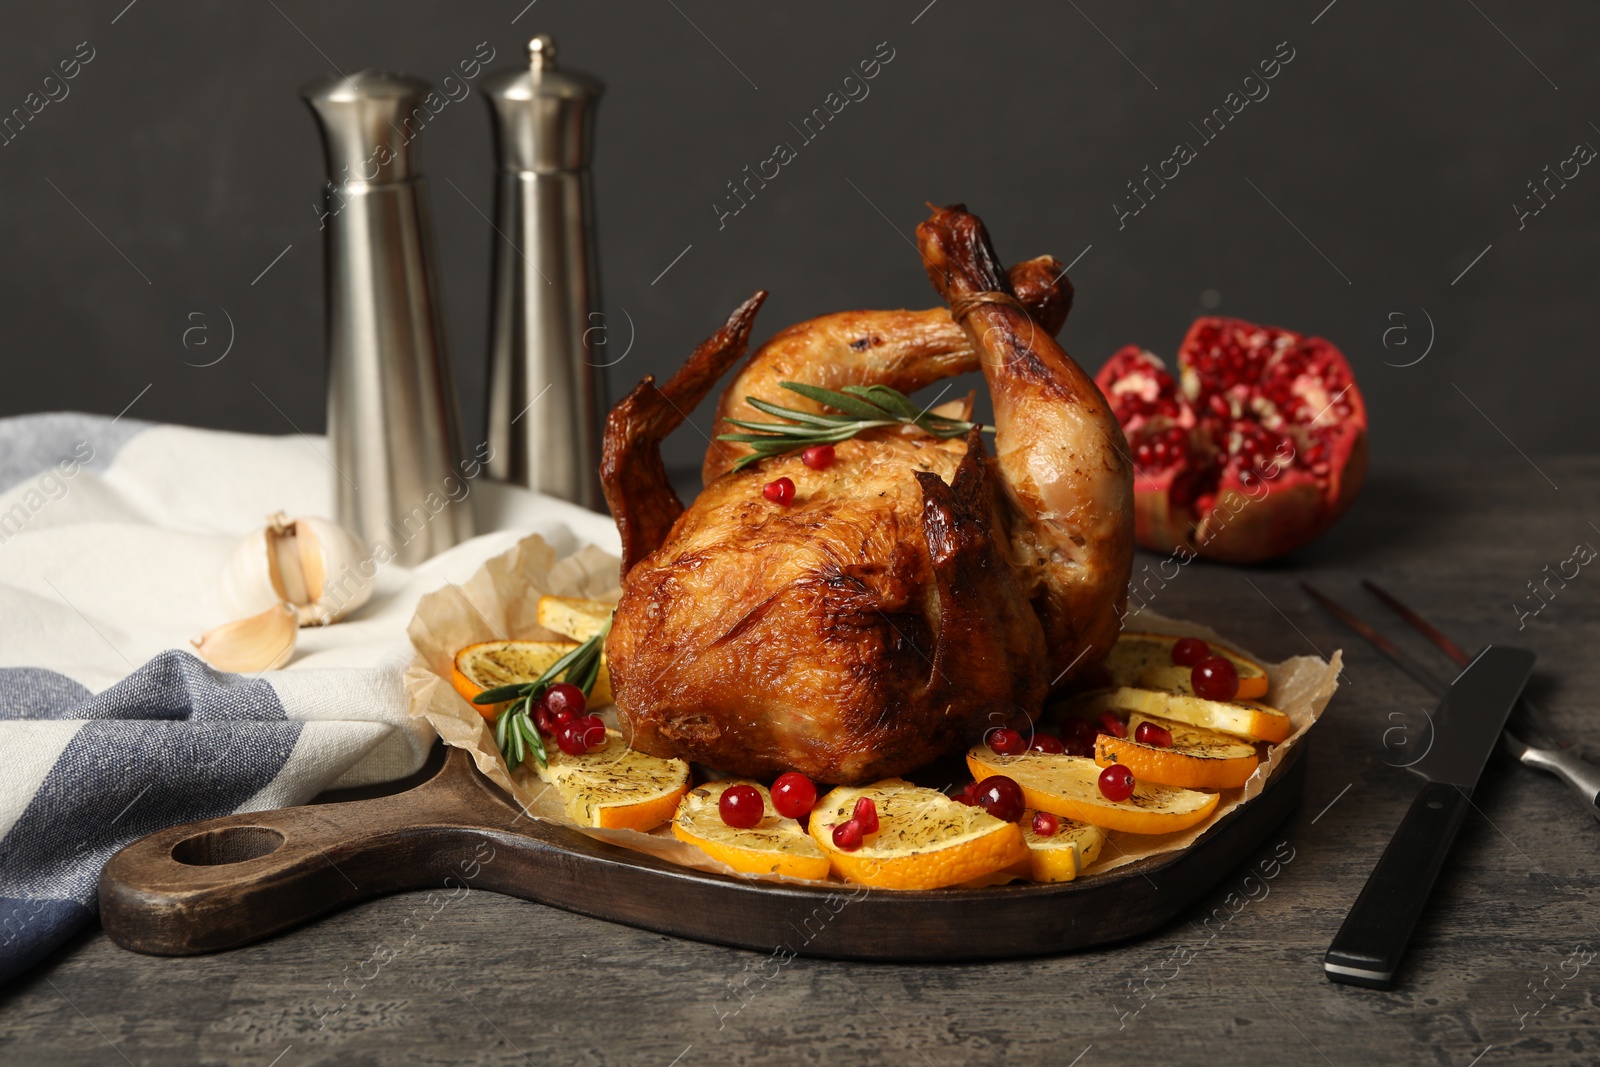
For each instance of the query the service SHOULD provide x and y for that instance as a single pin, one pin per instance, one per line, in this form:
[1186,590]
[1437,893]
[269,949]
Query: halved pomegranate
[1254,450]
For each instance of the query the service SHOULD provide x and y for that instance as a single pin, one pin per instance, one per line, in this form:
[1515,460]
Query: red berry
[1005,741]
[1001,797]
[1112,725]
[965,798]
[1215,678]
[1116,782]
[564,696]
[559,717]
[740,806]
[793,795]
[1045,824]
[818,457]
[592,729]
[1149,733]
[780,492]
[1077,746]
[570,739]
[1188,651]
[847,835]
[866,813]
[970,789]
[541,719]
[1048,743]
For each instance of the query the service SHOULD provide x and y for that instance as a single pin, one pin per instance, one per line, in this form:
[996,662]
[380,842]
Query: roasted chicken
[915,592]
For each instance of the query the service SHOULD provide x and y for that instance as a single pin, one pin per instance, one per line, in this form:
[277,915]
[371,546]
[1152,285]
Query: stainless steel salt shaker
[393,431]
[546,392]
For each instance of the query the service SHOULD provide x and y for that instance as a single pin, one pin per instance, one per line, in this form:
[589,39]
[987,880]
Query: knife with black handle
[1368,947]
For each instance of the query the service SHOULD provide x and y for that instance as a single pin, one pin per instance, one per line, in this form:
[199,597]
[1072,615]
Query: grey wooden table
[1502,968]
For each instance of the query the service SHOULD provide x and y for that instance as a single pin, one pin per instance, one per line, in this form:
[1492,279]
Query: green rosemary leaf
[860,407]
[891,400]
[791,429]
[789,413]
[501,692]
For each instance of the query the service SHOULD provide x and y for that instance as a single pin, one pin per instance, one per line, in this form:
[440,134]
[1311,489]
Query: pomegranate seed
[780,492]
[740,806]
[564,696]
[1047,743]
[1112,725]
[1188,651]
[1215,678]
[1001,797]
[793,795]
[971,788]
[847,835]
[570,740]
[1116,783]
[966,799]
[592,729]
[818,457]
[1006,742]
[1149,733]
[866,813]
[1045,824]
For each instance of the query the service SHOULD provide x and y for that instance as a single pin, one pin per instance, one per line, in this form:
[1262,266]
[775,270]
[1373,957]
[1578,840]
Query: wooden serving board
[226,882]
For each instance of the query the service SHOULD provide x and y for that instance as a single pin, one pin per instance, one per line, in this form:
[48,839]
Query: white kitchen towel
[113,536]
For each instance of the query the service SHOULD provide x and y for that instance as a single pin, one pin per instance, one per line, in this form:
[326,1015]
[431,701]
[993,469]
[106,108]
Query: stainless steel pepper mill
[392,423]
[546,394]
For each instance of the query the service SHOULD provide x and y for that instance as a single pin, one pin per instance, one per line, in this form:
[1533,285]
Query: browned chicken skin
[915,592]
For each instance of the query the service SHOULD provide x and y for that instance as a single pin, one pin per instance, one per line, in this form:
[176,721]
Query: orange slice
[574,617]
[774,845]
[615,788]
[1069,786]
[1198,759]
[925,840]
[488,664]
[1250,720]
[1063,855]
[1146,660]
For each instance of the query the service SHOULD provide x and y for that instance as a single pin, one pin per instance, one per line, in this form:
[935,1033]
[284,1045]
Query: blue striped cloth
[113,535]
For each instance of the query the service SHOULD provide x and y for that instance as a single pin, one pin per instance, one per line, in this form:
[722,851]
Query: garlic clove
[315,565]
[261,642]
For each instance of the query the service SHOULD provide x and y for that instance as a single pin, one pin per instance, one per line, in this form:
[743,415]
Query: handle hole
[232,845]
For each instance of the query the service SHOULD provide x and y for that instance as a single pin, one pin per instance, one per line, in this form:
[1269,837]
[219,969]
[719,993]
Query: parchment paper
[501,601]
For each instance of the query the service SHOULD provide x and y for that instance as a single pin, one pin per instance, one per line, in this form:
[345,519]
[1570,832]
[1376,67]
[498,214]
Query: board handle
[224,882]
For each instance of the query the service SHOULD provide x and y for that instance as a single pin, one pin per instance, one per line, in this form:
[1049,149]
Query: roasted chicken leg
[915,592]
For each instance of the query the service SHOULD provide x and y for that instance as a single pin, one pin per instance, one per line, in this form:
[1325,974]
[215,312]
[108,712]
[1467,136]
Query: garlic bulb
[262,642]
[315,565]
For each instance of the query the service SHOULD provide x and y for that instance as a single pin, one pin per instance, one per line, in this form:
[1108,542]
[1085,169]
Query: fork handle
[1580,775]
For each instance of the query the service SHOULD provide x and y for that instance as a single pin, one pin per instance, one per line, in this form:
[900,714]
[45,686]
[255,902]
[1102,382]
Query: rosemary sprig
[861,407]
[514,728]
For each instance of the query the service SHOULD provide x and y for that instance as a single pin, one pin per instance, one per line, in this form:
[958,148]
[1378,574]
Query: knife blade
[1368,948]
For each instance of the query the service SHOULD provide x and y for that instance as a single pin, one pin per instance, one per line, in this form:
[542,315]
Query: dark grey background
[1396,141]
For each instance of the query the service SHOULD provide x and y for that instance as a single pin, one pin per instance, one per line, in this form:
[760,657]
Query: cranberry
[571,739]
[541,719]
[740,806]
[1005,741]
[780,492]
[847,835]
[559,717]
[818,457]
[1111,724]
[1001,797]
[1215,678]
[1149,733]
[1045,824]
[592,729]
[866,813]
[793,795]
[1188,651]
[1116,782]
[564,696]
[1077,746]
[1047,743]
